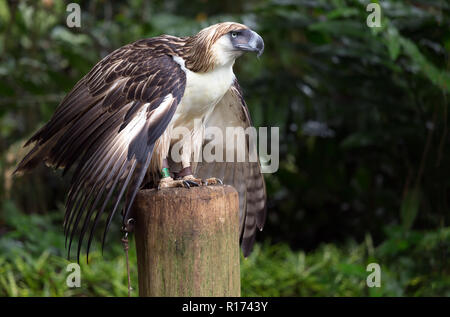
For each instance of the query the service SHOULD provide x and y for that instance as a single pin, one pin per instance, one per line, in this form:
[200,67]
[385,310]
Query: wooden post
[187,241]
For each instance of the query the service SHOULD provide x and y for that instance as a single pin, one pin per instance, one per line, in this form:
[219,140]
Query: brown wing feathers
[107,126]
[246,176]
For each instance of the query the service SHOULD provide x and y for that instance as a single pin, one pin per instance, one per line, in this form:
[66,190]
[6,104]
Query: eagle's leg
[186,174]
[167,181]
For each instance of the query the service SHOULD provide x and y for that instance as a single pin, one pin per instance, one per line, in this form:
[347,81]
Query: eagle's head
[220,44]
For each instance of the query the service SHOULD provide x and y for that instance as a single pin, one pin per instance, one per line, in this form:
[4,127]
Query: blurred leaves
[32,261]
[362,112]
[413,263]
[410,207]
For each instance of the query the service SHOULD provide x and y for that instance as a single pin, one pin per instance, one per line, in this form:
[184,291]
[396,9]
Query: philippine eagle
[115,127]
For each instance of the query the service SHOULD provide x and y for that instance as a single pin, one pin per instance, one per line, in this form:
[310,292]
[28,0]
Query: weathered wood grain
[188,241]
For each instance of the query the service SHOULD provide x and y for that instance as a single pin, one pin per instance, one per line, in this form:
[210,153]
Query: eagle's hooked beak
[254,43]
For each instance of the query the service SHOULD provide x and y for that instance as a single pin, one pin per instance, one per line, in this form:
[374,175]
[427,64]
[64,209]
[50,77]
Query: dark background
[364,144]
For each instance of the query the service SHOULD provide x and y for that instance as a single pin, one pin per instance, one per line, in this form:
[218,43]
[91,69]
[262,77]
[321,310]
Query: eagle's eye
[234,34]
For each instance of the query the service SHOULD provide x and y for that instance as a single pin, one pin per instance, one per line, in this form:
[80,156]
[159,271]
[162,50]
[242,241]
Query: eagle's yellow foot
[191,181]
[212,181]
[169,182]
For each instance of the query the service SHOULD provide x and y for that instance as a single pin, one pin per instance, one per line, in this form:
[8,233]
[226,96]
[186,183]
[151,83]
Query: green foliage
[32,262]
[412,263]
[363,117]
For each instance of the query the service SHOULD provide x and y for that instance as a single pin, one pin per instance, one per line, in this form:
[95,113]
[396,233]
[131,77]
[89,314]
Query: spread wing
[243,174]
[107,126]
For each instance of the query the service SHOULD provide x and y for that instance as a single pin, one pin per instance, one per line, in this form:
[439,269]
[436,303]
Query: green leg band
[165,172]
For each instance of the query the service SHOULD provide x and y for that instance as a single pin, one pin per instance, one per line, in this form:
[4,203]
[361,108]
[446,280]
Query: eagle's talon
[186,184]
[192,180]
[189,183]
[213,181]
